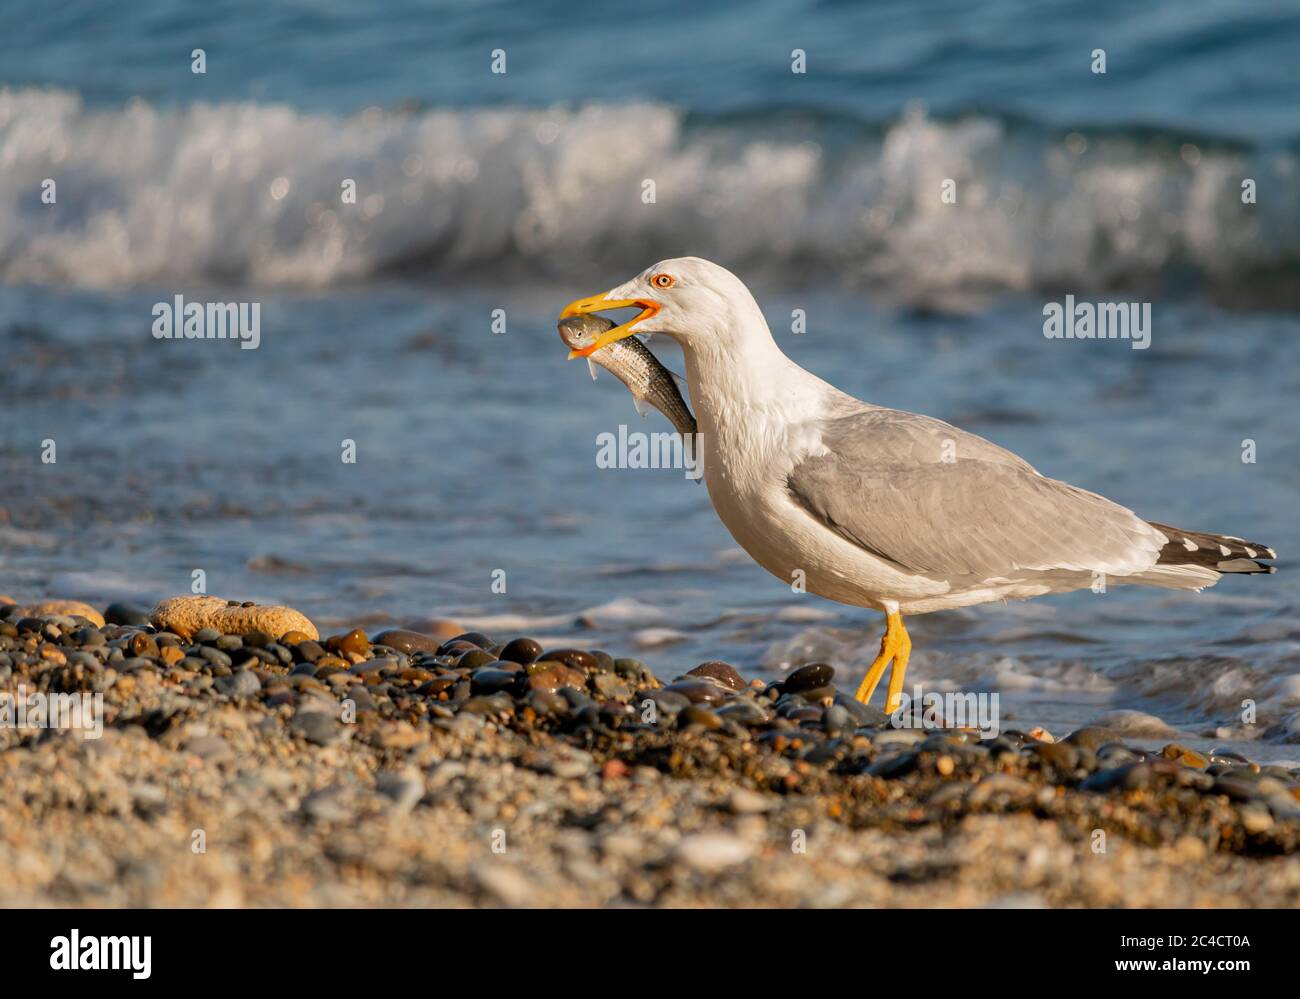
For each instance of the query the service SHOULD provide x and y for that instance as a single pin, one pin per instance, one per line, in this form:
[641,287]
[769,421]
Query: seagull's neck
[740,372]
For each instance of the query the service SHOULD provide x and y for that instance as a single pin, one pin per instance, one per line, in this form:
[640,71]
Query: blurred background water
[478,191]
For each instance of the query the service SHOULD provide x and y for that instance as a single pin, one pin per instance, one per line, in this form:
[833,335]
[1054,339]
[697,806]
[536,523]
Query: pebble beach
[430,766]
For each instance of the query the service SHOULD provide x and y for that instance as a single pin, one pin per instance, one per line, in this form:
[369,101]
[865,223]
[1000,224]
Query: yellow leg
[895,646]
[898,670]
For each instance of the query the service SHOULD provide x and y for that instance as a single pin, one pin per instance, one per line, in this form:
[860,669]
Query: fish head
[581,332]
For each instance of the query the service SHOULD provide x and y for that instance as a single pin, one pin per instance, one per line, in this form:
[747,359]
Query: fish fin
[591,366]
[640,407]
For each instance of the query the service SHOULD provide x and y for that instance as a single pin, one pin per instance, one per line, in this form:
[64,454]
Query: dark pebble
[309,651]
[1091,737]
[897,765]
[475,638]
[407,641]
[745,711]
[698,691]
[132,615]
[555,677]
[489,679]
[575,659]
[668,702]
[723,673]
[522,651]
[863,714]
[475,658]
[809,677]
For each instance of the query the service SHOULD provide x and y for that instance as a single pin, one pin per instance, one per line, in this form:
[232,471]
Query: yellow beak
[598,303]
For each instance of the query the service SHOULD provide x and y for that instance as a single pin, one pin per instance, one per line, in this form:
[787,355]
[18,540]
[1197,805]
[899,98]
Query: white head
[701,305]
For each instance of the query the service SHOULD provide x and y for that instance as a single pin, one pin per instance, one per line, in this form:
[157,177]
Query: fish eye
[663,281]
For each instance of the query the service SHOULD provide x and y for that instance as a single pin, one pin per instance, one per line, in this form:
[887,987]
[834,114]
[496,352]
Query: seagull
[881,508]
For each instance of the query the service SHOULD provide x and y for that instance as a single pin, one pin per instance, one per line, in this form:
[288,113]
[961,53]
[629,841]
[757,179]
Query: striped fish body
[632,363]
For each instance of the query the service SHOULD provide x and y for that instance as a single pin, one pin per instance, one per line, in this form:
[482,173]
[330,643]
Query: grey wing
[939,501]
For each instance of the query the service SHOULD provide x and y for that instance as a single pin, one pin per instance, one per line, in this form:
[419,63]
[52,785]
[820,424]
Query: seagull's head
[696,302]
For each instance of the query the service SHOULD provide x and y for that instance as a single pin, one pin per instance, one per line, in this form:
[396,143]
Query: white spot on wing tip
[1225,550]
[1189,544]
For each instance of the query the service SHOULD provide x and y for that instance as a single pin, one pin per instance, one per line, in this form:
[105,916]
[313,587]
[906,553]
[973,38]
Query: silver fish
[631,362]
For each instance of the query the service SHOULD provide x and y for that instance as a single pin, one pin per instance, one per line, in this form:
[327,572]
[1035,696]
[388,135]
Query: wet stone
[437,685]
[407,641]
[720,672]
[557,677]
[698,691]
[475,658]
[863,714]
[489,679]
[354,642]
[816,695]
[522,651]
[809,677]
[475,638]
[574,658]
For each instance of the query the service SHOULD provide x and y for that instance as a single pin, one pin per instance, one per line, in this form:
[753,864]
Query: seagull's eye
[663,281]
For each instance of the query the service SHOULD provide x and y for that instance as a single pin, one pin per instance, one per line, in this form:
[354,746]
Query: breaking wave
[248,192]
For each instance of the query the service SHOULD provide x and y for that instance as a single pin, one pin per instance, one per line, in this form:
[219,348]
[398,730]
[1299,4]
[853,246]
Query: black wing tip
[1221,552]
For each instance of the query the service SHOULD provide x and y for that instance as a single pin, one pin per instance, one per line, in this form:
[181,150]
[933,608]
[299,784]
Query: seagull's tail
[1218,552]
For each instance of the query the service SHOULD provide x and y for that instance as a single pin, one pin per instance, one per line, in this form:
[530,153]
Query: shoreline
[251,768]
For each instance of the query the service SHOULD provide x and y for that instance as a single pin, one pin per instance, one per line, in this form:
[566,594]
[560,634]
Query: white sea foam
[252,192]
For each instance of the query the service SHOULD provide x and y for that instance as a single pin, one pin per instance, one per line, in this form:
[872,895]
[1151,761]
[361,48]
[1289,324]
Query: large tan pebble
[6,600]
[67,608]
[186,615]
